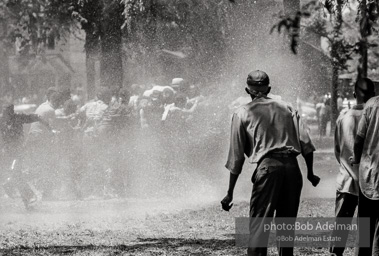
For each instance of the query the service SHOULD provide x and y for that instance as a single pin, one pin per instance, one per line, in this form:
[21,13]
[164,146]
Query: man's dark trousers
[370,209]
[345,207]
[277,187]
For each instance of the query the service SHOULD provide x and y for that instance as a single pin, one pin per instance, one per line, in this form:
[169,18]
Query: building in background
[59,63]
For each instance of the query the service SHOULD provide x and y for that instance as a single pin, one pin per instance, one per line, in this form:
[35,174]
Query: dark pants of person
[277,187]
[43,162]
[345,207]
[13,161]
[368,208]
[323,125]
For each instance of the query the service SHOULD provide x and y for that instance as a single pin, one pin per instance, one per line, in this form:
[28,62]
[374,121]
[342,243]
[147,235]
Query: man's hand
[226,203]
[353,160]
[314,179]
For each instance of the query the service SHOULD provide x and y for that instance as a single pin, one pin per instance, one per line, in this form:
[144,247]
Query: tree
[330,25]
[88,14]
[111,44]
[177,38]
[31,23]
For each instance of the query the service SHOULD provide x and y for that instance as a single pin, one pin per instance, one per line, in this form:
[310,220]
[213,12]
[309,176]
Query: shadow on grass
[141,245]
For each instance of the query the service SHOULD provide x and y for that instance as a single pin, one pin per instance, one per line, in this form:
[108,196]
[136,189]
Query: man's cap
[257,78]
[178,83]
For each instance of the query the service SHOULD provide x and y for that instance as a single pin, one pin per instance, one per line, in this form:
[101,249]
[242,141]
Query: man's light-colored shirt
[346,130]
[368,129]
[93,112]
[46,112]
[262,126]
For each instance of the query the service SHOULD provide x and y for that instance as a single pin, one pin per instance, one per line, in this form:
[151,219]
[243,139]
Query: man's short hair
[257,78]
[369,87]
[50,91]
[124,93]
[104,94]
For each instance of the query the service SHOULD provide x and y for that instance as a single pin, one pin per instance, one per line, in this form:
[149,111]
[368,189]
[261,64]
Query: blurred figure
[136,92]
[179,85]
[69,142]
[11,127]
[151,112]
[325,116]
[92,112]
[366,148]
[112,135]
[339,103]
[90,116]
[347,179]
[79,97]
[41,146]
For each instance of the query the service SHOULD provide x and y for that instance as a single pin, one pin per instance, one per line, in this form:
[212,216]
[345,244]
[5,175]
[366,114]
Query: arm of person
[226,202]
[358,150]
[307,149]
[192,109]
[337,149]
[143,120]
[360,137]
[314,179]
[236,158]
[31,118]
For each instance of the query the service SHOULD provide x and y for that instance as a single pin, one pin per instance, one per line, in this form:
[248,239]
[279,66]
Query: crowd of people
[88,144]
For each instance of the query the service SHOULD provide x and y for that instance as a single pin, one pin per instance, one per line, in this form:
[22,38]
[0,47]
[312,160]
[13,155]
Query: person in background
[111,129]
[325,115]
[365,153]
[41,146]
[92,112]
[69,142]
[347,179]
[339,102]
[90,116]
[151,112]
[11,127]
[270,133]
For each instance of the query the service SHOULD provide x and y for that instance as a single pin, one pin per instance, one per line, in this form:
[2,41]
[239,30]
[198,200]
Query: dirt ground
[155,226]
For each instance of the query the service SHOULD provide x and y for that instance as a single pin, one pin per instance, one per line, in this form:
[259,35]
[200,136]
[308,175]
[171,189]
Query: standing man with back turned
[366,154]
[347,179]
[269,132]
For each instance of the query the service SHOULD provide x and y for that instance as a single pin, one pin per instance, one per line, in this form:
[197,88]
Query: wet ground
[193,225]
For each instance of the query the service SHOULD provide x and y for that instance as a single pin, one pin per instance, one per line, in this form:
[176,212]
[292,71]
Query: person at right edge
[366,154]
[270,133]
[347,179]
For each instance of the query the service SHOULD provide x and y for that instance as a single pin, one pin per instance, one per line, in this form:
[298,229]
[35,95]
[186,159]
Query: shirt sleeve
[304,138]
[363,123]
[238,140]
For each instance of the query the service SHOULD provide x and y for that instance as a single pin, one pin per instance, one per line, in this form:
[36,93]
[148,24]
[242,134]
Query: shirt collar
[358,106]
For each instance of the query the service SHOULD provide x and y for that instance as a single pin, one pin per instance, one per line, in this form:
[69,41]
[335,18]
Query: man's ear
[268,90]
[247,91]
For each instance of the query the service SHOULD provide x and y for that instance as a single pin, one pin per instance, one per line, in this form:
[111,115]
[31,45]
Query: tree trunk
[362,67]
[91,47]
[335,64]
[4,62]
[111,72]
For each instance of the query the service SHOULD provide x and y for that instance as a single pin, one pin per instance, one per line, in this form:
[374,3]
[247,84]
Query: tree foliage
[195,31]
[33,22]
